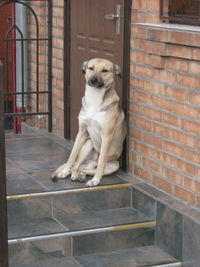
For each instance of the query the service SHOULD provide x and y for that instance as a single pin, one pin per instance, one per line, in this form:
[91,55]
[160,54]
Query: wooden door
[93,34]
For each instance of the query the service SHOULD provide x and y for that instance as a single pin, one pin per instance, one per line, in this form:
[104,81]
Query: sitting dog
[102,127]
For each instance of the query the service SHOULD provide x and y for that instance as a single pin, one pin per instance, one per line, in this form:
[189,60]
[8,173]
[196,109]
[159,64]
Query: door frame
[126,69]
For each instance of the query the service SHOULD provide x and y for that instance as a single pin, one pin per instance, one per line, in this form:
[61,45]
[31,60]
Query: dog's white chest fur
[91,114]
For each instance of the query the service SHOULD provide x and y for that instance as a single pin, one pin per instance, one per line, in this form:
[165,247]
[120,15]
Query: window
[180,11]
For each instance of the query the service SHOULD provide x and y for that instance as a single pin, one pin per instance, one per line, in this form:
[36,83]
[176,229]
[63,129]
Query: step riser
[78,245]
[39,207]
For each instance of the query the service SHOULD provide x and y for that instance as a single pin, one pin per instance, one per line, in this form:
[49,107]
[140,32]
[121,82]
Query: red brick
[139,4]
[152,113]
[188,81]
[136,133]
[192,156]
[194,98]
[184,194]
[135,108]
[196,54]
[158,35]
[185,167]
[156,61]
[165,76]
[163,131]
[163,103]
[197,40]
[142,98]
[152,165]
[180,51]
[176,93]
[184,139]
[153,5]
[173,149]
[144,71]
[142,123]
[138,57]
[177,64]
[181,38]
[163,184]
[193,185]
[194,67]
[192,127]
[153,87]
[156,48]
[172,120]
[186,110]
[173,176]
[152,140]
[140,172]
[136,83]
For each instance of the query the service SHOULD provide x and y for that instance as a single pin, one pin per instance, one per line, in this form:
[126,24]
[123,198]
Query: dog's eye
[91,68]
[104,70]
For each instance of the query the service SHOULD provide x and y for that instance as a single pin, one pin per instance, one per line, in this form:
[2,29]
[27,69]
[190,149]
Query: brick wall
[164,110]
[40,8]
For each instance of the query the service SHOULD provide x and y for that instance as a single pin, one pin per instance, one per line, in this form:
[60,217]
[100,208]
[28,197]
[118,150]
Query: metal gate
[38,93]
[30,95]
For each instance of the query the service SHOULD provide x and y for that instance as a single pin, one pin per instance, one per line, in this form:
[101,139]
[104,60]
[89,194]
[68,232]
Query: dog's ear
[84,66]
[117,70]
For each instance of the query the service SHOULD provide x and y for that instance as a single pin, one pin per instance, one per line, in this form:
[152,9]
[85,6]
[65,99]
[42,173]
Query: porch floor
[32,156]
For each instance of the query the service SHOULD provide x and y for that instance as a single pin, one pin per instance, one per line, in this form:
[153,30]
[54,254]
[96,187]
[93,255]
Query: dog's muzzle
[96,82]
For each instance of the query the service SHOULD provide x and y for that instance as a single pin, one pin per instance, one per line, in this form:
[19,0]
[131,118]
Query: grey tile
[143,256]
[54,252]
[98,219]
[150,190]
[37,162]
[44,178]
[19,182]
[92,200]
[28,209]
[191,243]
[34,227]
[144,203]
[33,146]
[169,230]
[111,241]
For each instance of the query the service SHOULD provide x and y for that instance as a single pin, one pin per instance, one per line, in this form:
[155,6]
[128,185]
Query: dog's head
[100,73]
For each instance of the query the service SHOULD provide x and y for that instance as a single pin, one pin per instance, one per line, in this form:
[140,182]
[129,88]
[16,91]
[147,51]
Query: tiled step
[133,257]
[142,256]
[70,212]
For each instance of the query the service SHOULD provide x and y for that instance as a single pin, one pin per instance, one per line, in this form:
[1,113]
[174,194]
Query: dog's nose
[94,80]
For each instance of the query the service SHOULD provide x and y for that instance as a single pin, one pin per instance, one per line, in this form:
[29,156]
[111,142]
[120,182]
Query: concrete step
[133,257]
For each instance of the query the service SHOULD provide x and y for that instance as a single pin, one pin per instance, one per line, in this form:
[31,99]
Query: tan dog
[102,127]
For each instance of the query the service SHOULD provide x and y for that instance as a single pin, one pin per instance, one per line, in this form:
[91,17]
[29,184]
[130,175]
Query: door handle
[115,17]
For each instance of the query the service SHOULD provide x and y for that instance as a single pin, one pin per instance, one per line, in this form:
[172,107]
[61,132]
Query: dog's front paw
[93,182]
[62,172]
[78,176]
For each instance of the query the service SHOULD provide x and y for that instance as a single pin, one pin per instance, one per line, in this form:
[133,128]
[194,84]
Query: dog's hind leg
[110,167]
[84,154]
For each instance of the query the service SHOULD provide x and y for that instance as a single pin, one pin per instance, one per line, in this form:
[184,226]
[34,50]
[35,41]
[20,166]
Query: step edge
[150,224]
[69,191]
[172,264]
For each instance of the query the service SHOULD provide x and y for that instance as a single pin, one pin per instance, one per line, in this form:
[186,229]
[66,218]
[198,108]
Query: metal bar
[3,203]
[50,65]
[25,39]
[26,93]
[24,114]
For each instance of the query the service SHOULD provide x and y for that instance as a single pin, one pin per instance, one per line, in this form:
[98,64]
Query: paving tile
[97,219]
[169,230]
[43,253]
[44,178]
[144,203]
[92,201]
[191,243]
[34,227]
[145,256]
[112,241]
[19,182]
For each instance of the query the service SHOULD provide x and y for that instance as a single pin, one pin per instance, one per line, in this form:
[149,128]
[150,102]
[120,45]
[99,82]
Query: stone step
[133,257]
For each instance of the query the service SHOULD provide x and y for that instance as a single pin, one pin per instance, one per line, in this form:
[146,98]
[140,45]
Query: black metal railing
[32,101]
[180,11]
